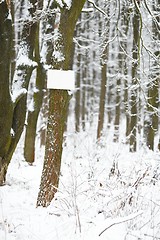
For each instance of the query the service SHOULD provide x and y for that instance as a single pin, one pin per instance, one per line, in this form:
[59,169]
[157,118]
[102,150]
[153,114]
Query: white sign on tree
[61,79]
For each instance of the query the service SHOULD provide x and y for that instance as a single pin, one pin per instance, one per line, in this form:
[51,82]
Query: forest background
[115,55]
[116,59]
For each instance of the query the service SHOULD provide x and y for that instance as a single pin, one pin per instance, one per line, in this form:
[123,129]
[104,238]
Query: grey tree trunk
[135,66]
[104,59]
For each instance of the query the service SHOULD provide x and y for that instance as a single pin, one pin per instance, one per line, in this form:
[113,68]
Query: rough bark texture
[12,115]
[6,106]
[53,150]
[58,106]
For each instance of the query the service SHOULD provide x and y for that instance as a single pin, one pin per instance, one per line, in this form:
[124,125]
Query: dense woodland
[117,65]
[113,46]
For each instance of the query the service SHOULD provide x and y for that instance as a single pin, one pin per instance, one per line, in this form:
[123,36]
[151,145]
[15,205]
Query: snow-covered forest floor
[105,193]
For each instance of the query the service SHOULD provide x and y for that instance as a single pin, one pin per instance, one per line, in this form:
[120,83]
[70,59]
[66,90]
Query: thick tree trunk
[6,106]
[13,112]
[58,106]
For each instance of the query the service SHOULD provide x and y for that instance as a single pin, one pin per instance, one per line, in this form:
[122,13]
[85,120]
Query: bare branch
[99,9]
[122,220]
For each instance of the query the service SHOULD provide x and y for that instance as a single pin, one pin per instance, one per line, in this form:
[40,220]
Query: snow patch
[23,59]
[91,203]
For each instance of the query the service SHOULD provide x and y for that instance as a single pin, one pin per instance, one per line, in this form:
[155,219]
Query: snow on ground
[105,193]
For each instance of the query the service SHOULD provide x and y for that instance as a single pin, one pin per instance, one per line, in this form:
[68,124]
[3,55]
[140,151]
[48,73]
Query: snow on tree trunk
[13,104]
[58,103]
[135,67]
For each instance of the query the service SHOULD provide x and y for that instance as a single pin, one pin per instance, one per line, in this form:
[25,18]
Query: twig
[99,9]
[122,220]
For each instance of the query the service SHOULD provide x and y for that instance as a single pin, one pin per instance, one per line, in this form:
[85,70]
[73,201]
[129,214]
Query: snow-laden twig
[99,9]
[121,220]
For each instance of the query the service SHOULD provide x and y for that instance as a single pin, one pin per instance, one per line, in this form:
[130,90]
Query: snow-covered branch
[121,220]
[98,8]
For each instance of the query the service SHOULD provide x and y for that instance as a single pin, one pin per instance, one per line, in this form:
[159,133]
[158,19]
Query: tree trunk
[134,89]
[78,83]
[30,136]
[122,66]
[78,94]
[104,59]
[58,106]
[151,122]
[6,106]
[15,110]
[102,100]
[117,111]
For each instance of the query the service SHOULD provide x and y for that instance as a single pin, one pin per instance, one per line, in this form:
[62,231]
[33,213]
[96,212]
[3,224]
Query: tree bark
[12,117]
[104,59]
[30,135]
[151,121]
[135,64]
[6,106]
[58,106]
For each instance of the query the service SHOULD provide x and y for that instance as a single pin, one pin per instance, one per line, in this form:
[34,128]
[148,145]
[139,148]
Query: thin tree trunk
[102,101]
[78,94]
[78,85]
[30,136]
[134,94]
[104,59]
[117,111]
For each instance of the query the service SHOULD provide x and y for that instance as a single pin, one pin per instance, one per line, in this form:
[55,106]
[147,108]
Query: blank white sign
[61,79]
